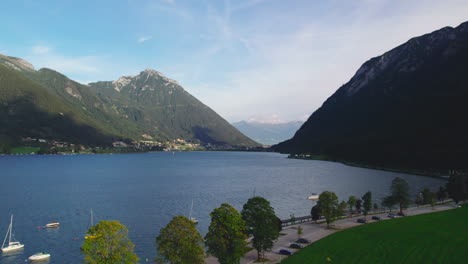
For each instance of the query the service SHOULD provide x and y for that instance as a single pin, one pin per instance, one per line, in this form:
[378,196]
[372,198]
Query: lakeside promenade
[314,232]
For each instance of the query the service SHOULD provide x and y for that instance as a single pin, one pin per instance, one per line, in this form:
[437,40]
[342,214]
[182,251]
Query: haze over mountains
[147,106]
[268,133]
[403,109]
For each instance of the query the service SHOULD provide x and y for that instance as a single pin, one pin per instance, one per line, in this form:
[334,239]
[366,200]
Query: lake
[144,191]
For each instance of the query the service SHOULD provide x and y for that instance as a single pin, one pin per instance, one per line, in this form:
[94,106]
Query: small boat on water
[53,224]
[192,219]
[39,256]
[91,224]
[313,197]
[12,245]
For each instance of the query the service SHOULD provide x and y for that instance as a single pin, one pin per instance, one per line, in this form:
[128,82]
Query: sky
[268,61]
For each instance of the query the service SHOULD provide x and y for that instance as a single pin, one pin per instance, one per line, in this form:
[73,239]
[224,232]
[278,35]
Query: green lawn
[440,237]
[24,150]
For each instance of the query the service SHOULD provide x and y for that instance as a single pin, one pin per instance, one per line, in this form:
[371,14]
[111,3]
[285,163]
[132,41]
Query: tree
[316,213]
[419,199]
[358,205]
[376,206]
[457,187]
[427,196]
[279,224]
[367,204]
[226,235]
[260,217]
[108,243]
[292,218]
[351,202]
[442,193]
[328,202]
[388,202]
[299,231]
[400,192]
[342,208]
[180,242]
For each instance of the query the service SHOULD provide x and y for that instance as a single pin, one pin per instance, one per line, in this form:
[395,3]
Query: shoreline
[436,175]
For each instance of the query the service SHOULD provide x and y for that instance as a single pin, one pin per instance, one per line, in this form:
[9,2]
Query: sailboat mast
[8,234]
[11,229]
[92,221]
[191,208]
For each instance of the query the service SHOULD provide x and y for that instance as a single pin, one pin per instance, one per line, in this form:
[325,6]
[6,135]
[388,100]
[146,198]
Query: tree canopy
[400,192]
[180,242]
[107,243]
[457,187]
[260,219]
[351,202]
[316,212]
[329,207]
[367,202]
[227,234]
[358,205]
[388,202]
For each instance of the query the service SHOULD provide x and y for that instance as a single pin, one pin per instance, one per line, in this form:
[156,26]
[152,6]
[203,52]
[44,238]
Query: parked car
[401,214]
[303,241]
[296,246]
[362,220]
[285,252]
[375,218]
[391,215]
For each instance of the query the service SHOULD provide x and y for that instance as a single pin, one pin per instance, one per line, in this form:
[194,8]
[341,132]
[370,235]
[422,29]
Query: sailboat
[193,219]
[12,245]
[91,224]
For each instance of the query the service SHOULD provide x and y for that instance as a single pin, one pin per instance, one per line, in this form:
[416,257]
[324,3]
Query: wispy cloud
[169,1]
[46,57]
[290,74]
[40,50]
[144,38]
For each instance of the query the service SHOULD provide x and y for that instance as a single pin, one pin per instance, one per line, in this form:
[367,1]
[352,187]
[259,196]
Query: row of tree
[329,206]
[181,243]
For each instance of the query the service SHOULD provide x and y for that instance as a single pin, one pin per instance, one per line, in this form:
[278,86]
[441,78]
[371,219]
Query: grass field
[440,237]
[24,150]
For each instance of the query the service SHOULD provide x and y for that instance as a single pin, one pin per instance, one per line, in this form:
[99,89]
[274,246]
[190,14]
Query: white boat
[53,224]
[39,256]
[192,219]
[313,197]
[12,245]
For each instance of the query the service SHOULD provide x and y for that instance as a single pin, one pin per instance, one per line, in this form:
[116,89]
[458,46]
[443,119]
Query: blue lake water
[144,191]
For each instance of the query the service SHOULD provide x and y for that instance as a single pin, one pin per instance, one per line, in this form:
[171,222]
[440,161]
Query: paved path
[314,232]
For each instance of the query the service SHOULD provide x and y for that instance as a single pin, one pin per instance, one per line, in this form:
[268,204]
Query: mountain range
[267,133]
[148,106]
[404,109]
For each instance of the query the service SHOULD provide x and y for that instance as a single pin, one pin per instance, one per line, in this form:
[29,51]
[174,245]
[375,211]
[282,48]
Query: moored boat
[53,224]
[313,197]
[12,245]
[192,219]
[39,256]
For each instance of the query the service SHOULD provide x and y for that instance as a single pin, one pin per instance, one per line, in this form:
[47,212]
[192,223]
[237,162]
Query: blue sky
[263,60]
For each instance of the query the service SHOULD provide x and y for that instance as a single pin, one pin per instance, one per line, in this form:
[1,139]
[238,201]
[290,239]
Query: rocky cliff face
[163,109]
[404,108]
